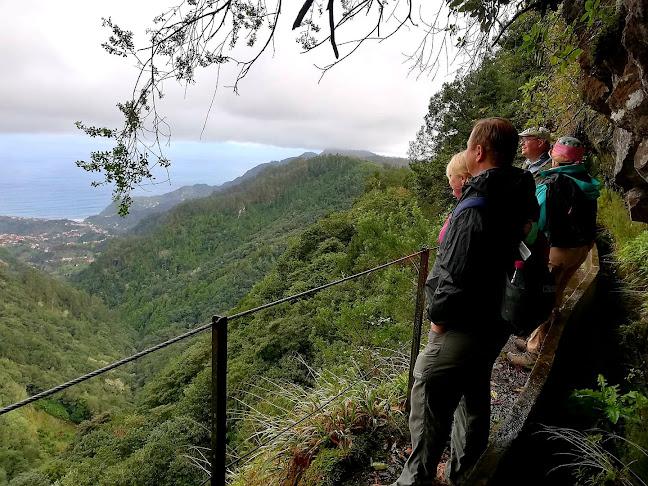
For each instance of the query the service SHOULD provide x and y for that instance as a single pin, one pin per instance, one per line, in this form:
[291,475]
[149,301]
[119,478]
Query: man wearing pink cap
[567,197]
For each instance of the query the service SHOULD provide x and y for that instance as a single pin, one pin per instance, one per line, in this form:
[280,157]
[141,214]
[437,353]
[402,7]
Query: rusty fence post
[218,400]
[418,321]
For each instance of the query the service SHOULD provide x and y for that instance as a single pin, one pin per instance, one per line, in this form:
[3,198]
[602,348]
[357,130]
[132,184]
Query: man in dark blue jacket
[452,374]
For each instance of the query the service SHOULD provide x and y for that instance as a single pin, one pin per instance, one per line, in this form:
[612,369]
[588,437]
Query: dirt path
[507,381]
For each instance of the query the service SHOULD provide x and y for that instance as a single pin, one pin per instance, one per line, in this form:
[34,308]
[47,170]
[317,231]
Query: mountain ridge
[145,206]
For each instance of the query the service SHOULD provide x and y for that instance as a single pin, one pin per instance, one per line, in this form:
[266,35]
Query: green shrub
[614,216]
[53,408]
[31,478]
[614,453]
[610,406]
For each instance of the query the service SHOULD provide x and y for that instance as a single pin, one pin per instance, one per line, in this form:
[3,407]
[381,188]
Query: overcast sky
[55,73]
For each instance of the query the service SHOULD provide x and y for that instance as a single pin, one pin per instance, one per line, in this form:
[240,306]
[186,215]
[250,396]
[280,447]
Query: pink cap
[519,264]
[570,152]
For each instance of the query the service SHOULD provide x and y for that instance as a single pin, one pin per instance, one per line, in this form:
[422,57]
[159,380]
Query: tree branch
[332,27]
[302,13]
[514,18]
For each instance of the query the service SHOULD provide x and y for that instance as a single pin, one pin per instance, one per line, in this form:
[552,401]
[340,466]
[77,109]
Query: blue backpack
[474,202]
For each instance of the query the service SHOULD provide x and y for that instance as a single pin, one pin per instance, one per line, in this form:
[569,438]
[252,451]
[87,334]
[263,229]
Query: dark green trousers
[451,381]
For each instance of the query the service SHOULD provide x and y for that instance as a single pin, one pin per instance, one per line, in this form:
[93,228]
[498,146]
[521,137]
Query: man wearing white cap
[535,144]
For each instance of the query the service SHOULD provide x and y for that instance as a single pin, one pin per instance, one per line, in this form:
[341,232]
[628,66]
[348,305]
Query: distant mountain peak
[383,160]
[348,152]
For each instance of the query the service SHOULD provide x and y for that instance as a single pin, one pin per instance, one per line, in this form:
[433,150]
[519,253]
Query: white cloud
[56,73]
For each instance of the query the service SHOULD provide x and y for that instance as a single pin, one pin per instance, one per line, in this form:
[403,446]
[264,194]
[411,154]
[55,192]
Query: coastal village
[62,246]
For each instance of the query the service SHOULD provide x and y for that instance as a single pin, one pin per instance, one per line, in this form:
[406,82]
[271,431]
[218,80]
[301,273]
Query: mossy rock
[334,467]
[326,470]
[606,45]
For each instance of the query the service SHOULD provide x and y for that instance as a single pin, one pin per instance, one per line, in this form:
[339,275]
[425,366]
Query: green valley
[279,346]
[202,257]
[51,333]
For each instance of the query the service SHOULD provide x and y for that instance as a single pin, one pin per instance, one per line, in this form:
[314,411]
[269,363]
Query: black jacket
[465,284]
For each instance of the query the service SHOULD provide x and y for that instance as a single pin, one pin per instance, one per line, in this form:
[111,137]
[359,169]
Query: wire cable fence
[100,371]
[218,325]
[325,286]
[188,334]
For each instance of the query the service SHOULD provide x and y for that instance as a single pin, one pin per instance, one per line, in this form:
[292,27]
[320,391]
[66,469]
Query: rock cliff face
[615,66]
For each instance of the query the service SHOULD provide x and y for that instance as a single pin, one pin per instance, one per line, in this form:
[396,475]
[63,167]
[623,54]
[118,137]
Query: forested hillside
[145,206]
[51,333]
[205,255]
[281,346]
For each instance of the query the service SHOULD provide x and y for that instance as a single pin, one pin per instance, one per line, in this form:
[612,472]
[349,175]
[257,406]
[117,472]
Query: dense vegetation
[206,254]
[293,228]
[51,333]
[192,247]
[333,330]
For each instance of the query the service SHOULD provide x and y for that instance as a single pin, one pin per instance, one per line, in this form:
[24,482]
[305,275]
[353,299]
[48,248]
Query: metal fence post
[418,321]
[218,400]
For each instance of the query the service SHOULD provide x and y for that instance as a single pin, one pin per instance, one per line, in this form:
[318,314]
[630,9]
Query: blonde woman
[458,175]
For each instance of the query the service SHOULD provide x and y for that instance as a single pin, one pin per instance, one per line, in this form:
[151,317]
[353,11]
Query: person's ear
[463,181]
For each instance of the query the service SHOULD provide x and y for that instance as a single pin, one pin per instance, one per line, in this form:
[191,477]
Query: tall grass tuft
[590,459]
[291,427]
[633,257]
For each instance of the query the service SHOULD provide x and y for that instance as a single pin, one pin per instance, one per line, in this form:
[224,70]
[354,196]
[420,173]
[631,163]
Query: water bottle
[518,278]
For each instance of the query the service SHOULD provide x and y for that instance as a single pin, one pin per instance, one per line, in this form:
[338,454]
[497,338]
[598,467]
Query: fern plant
[613,405]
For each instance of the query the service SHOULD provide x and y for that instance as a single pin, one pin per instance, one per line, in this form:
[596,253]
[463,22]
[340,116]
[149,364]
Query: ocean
[39,178]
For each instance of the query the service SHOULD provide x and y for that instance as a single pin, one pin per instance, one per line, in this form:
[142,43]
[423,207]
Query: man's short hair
[499,136]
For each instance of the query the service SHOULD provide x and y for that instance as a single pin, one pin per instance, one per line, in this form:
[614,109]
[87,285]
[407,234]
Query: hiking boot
[525,359]
[520,344]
